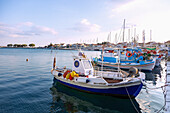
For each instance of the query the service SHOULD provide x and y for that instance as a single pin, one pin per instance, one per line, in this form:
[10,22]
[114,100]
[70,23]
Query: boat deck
[109,80]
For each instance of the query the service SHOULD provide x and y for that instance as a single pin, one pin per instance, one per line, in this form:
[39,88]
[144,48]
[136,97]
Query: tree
[19,45]
[32,45]
[51,45]
[24,45]
[9,45]
[15,45]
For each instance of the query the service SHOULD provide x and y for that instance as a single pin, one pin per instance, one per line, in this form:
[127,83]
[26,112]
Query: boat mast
[129,37]
[143,38]
[123,30]
[102,57]
[110,37]
[119,61]
[116,40]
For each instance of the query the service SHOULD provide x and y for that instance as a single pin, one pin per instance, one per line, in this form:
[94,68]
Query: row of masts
[134,38]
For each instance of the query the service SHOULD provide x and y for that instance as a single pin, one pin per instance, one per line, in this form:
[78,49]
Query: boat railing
[96,68]
[109,72]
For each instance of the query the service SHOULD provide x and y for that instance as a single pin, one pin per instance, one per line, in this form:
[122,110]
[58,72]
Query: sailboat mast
[110,37]
[123,29]
[143,38]
[129,36]
[116,40]
[150,35]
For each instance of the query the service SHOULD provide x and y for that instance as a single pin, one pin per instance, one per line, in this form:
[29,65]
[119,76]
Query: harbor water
[27,86]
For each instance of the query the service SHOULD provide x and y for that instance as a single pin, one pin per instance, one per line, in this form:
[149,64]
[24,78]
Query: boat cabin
[82,66]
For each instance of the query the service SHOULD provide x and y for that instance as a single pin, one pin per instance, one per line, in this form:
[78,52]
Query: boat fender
[64,75]
[68,76]
[60,74]
[71,78]
[87,80]
[74,74]
[133,71]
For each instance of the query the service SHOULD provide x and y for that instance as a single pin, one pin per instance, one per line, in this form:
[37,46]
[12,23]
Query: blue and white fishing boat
[125,58]
[84,78]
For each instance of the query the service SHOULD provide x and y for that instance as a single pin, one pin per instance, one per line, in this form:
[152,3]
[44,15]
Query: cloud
[85,26]
[143,15]
[25,30]
[126,6]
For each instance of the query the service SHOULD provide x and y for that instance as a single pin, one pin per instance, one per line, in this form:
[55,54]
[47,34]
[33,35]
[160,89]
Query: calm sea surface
[28,87]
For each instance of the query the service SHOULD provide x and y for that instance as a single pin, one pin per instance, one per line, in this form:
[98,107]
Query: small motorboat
[84,78]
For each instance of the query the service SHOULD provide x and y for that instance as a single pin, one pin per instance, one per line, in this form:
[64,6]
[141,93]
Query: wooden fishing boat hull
[130,90]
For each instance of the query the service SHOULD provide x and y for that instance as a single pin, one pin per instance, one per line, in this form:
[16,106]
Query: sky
[83,21]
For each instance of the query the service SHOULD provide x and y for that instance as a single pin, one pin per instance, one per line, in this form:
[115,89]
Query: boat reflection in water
[69,100]
[154,75]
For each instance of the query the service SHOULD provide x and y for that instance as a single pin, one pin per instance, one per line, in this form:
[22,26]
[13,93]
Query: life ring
[76,64]
[128,54]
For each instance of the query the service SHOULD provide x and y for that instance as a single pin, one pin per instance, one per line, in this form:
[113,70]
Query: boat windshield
[87,64]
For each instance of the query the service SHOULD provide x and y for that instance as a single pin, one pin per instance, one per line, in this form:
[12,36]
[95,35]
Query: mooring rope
[157,87]
[131,100]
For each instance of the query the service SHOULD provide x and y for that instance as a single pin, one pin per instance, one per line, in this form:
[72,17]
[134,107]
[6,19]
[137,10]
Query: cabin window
[87,64]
